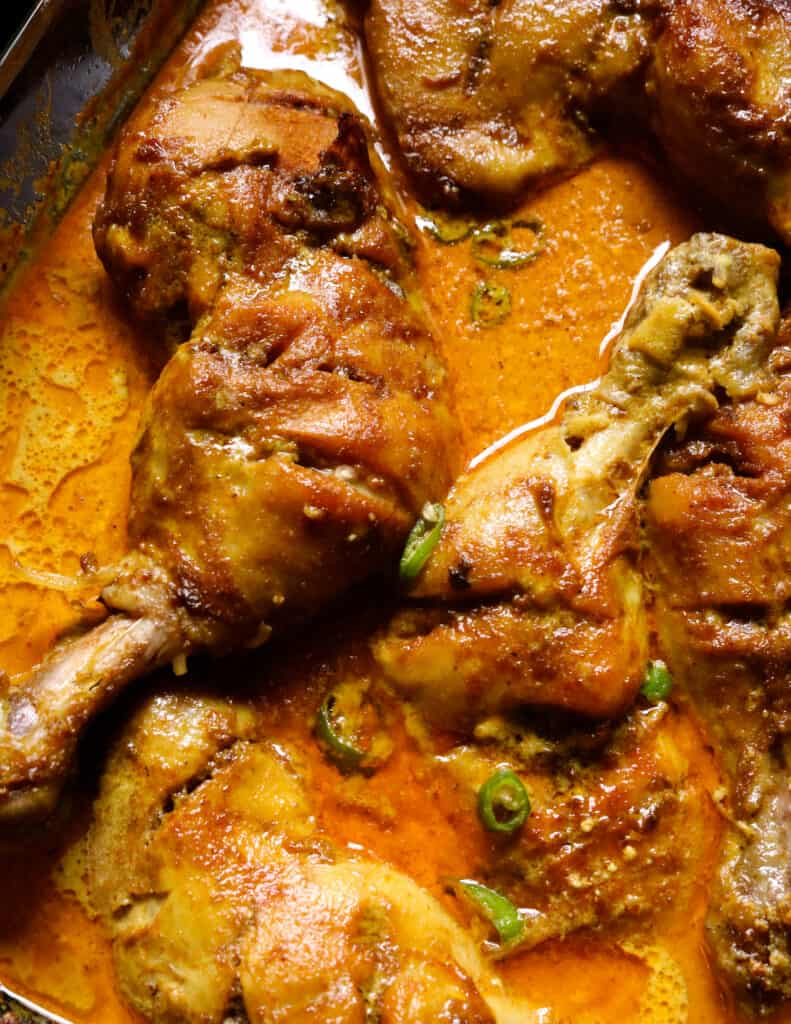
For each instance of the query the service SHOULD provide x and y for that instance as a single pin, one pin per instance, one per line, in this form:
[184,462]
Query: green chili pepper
[343,753]
[492,244]
[449,232]
[495,908]
[658,682]
[503,792]
[491,304]
[421,542]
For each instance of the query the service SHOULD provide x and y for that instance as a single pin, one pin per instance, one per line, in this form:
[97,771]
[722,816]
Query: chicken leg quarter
[657,503]
[291,442]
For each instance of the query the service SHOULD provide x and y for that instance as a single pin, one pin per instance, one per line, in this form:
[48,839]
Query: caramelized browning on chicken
[490,98]
[601,847]
[219,178]
[262,919]
[305,847]
[719,95]
[537,596]
[290,444]
[719,551]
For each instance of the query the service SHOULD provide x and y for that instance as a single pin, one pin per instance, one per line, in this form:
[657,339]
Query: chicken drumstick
[534,591]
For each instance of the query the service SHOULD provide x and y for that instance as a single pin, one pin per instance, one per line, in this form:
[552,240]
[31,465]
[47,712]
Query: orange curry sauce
[73,375]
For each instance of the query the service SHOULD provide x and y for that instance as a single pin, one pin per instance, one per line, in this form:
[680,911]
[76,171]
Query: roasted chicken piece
[718,530]
[534,594]
[610,800]
[231,176]
[719,101]
[225,901]
[288,446]
[492,98]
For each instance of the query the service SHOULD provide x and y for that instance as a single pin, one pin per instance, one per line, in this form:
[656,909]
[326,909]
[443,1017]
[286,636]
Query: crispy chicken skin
[718,529]
[534,594]
[289,445]
[226,902]
[491,98]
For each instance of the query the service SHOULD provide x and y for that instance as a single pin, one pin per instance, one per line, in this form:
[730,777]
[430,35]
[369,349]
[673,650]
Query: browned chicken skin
[601,847]
[228,177]
[262,918]
[284,453]
[718,520]
[534,591]
[289,445]
[491,98]
[536,596]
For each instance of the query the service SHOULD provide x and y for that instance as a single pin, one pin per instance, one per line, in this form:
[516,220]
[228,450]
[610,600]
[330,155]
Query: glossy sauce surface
[73,375]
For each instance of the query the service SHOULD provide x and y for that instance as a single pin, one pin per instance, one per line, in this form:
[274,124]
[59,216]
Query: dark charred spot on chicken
[341,194]
[459,575]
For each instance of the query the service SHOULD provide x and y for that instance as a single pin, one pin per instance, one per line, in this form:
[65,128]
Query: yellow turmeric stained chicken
[290,443]
[488,98]
[535,593]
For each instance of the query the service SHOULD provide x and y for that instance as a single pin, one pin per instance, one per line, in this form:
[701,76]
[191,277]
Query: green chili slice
[445,230]
[421,542]
[657,683]
[495,908]
[351,726]
[329,730]
[493,244]
[491,304]
[503,803]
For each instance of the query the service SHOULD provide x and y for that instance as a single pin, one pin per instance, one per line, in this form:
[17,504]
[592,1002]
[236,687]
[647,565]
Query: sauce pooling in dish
[76,374]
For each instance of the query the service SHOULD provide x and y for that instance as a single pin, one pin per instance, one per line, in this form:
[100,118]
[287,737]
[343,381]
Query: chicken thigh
[225,901]
[718,553]
[534,594]
[490,98]
[289,445]
[609,801]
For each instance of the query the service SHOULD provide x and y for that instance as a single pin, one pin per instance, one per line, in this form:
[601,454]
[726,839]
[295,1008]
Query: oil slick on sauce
[576,389]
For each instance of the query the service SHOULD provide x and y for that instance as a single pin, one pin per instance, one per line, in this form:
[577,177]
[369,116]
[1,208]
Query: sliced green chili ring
[343,753]
[498,234]
[657,683]
[494,233]
[503,791]
[495,908]
[449,232]
[421,542]
[491,304]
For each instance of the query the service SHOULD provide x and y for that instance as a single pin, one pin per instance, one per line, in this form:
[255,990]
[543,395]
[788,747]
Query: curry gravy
[74,373]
